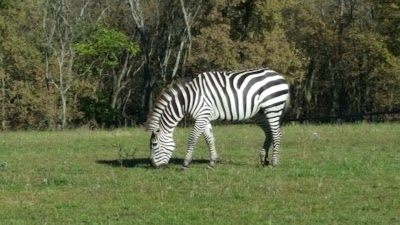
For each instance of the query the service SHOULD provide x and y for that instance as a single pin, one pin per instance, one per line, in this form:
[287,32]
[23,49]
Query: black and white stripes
[261,94]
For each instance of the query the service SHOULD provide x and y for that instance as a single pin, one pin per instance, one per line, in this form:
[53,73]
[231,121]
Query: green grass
[328,174]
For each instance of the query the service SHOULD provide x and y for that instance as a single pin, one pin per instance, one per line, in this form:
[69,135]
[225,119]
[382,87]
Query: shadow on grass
[145,162]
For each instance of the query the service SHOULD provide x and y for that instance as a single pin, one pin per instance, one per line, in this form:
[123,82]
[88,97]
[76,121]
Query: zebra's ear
[156,131]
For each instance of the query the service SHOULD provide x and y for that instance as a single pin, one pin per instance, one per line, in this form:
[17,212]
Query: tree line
[101,63]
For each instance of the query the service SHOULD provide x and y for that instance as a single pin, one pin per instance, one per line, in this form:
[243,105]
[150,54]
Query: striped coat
[261,94]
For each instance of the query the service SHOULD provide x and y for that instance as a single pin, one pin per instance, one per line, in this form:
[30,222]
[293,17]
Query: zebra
[258,94]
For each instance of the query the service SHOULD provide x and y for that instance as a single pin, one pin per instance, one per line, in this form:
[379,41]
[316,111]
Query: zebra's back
[240,95]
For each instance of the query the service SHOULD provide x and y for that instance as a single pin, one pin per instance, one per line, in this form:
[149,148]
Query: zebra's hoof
[211,164]
[274,163]
[266,163]
[210,167]
[268,167]
[184,168]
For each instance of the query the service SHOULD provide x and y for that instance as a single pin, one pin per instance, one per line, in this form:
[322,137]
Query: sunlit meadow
[328,174]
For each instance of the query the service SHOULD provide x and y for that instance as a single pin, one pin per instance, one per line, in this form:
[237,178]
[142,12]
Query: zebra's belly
[233,115]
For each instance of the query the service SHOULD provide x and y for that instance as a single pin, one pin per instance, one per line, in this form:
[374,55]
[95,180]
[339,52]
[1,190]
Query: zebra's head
[161,147]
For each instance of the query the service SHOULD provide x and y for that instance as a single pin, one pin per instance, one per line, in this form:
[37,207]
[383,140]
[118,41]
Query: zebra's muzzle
[154,164]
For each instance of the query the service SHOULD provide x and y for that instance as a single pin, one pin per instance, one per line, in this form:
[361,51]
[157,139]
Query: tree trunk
[146,94]
[63,110]
[137,15]
[120,82]
[3,99]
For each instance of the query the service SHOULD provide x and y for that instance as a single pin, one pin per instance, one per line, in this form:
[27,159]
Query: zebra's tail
[287,104]
[286,107]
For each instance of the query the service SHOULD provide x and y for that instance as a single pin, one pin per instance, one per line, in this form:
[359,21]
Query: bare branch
[138,69]
[136,13]
[103,11]
[187,19]
[84,8]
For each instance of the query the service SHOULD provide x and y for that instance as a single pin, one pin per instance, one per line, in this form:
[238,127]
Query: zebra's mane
[153,120]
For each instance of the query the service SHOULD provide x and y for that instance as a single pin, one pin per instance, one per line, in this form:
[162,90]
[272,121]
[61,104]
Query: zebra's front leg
[198,129]
[209,136]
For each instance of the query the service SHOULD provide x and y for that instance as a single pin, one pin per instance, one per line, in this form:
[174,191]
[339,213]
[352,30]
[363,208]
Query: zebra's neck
[172,115]
[169,109]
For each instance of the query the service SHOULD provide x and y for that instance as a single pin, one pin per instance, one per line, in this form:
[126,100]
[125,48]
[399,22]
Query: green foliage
[104,43]
[341,57]
[6,4]
[344,51]
[81,176]
[98,113]
[249,35]
[22,95]
[103,52]
[389,18]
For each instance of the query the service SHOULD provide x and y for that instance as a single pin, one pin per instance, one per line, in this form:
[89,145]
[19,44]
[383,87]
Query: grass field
[328,174]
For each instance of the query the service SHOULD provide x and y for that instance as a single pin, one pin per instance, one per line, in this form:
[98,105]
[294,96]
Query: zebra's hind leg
[262,121]
[276,140]
[265,149]
[209,137]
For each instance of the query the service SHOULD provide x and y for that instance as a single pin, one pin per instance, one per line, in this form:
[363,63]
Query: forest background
[101,63]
